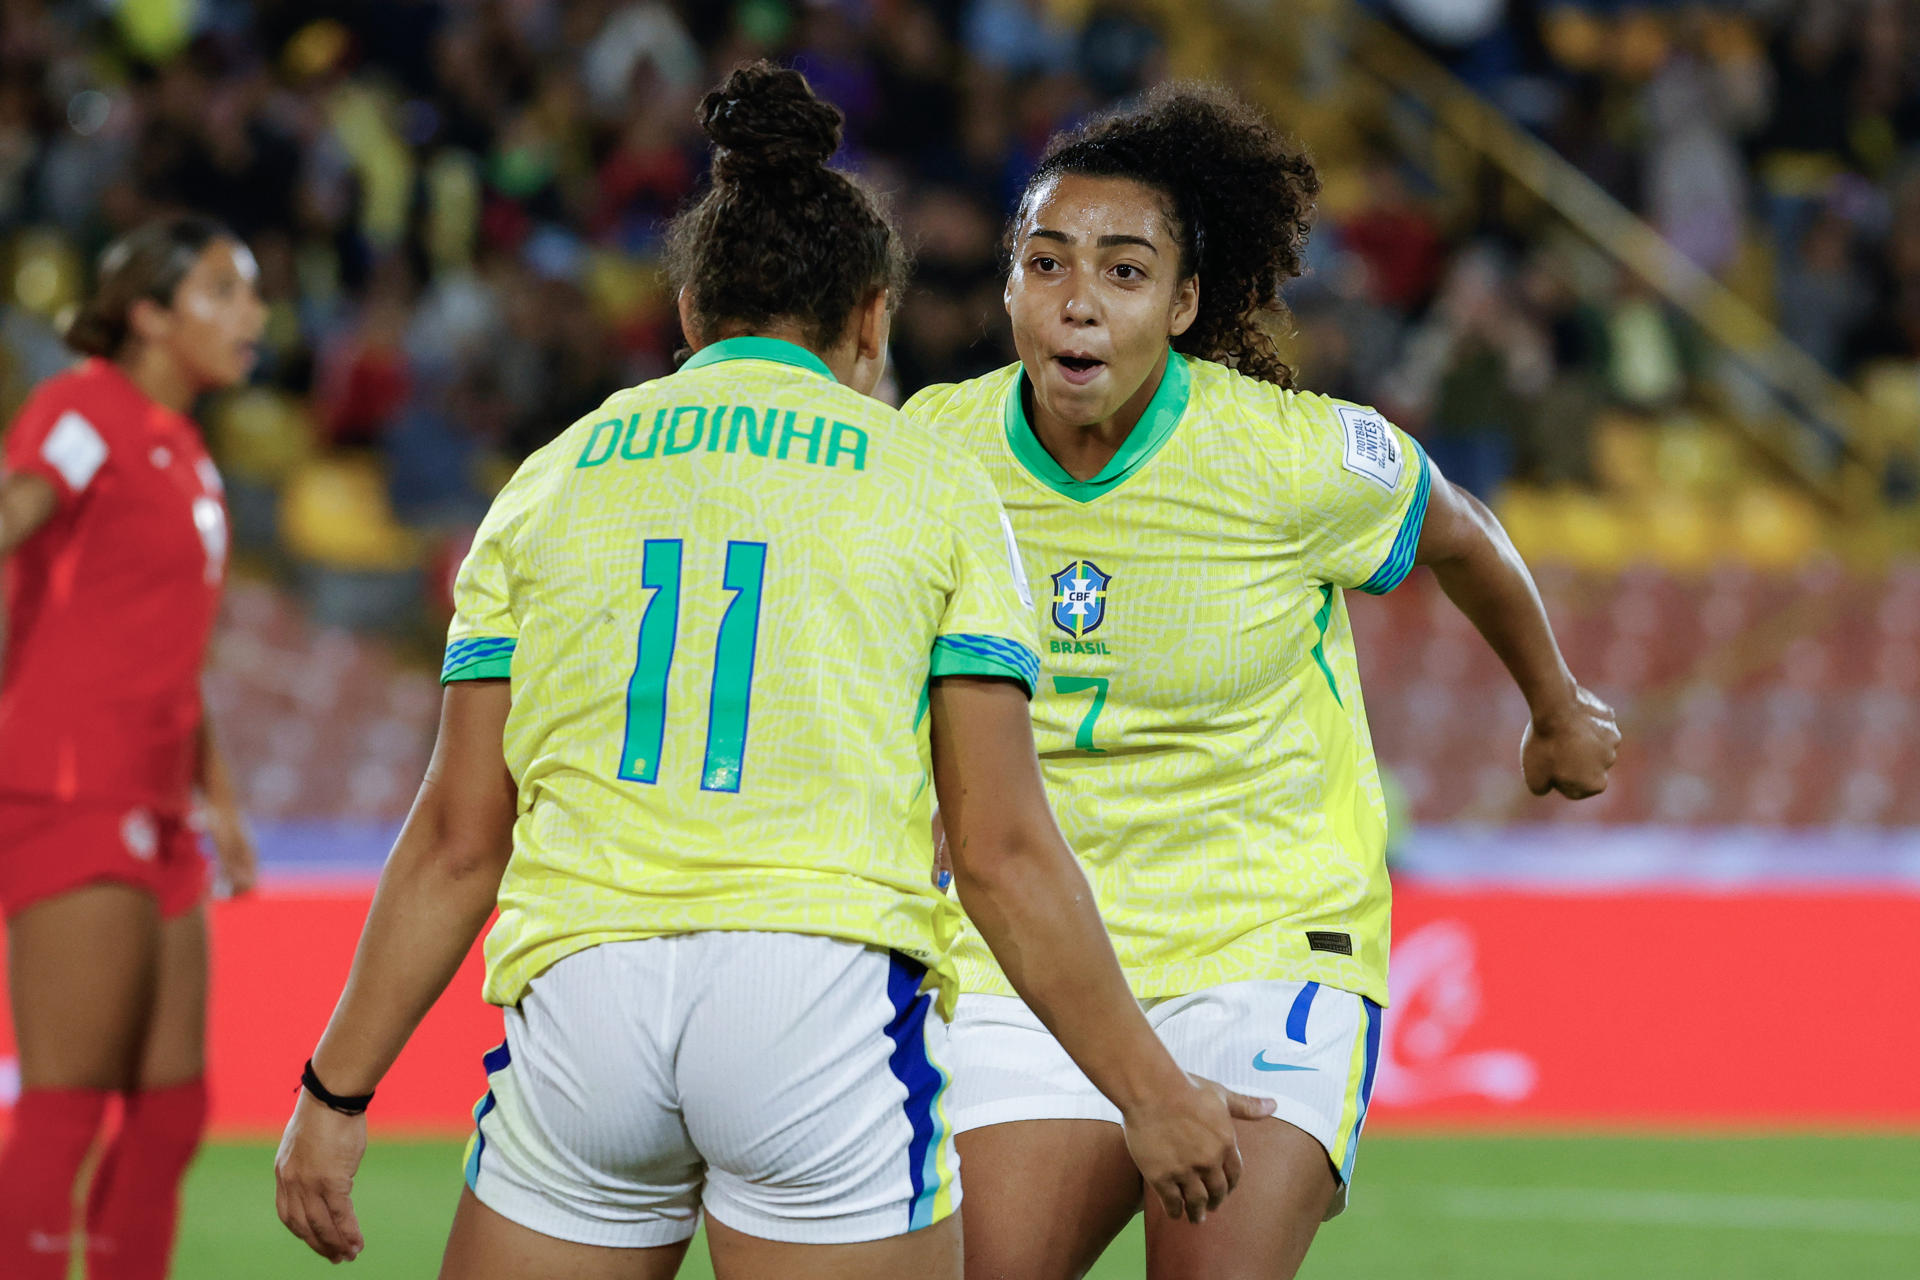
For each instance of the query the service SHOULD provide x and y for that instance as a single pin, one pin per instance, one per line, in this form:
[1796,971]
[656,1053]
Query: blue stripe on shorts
[1366,1087]
[922,1079]
[495,1060]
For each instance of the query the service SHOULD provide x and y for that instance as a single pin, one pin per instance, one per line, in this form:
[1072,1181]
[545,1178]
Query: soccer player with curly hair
[1195,520]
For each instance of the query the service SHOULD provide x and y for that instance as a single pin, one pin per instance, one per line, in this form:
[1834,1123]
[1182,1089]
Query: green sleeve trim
[1399,562]
[968,655]
[478,658]
[480,669]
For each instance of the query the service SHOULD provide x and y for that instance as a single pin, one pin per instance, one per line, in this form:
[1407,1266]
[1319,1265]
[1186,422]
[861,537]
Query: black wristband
[352,1106]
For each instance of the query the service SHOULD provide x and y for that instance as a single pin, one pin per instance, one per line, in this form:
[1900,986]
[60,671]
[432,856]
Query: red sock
[135,1202]
[52,1131]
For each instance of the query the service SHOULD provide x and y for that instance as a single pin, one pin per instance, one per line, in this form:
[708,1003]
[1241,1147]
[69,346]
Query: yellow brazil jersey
[1198,716]
[719,598]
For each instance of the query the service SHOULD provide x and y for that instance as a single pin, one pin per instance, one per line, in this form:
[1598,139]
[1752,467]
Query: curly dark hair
[779,236]
[1239,198]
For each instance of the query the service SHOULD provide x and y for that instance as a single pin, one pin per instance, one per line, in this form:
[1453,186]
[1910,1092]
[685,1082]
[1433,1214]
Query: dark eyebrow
[1104,242]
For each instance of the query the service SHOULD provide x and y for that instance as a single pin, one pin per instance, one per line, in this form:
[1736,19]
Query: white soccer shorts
[1312,1049]
[790,1085]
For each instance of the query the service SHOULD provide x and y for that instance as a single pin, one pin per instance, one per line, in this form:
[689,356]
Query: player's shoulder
[546,467]
[1305,425]
[938,463]
[91,387]
[1267,407]
[976,403]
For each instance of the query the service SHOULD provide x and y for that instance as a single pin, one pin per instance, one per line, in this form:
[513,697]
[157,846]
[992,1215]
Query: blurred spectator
[1645,368]
[1557,450]
[1695,183]
[1397,238]
[1472,373]
[1120,52]
[365,378]
[1013,37]
[1823,292]
[948,326]
[456,206]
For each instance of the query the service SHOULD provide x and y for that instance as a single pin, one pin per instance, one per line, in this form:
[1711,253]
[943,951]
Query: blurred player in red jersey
[115,534]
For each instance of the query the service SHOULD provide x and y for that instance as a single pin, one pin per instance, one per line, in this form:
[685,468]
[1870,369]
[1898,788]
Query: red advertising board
[1563,1009]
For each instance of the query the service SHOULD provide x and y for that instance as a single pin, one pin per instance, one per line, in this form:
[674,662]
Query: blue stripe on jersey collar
[1162,415]
[753,347]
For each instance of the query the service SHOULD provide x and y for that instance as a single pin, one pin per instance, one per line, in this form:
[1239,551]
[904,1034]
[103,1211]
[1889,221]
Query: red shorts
[48,848]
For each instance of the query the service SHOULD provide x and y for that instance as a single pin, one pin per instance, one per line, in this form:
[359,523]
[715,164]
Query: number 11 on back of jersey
[730,701]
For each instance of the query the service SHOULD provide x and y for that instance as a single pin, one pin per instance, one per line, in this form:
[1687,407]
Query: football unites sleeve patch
[75,450]
[1371,450]
[1360,488]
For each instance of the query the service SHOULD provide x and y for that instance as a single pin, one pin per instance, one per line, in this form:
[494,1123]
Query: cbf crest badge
[1080,598]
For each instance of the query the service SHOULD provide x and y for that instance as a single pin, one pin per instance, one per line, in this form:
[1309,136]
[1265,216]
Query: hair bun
[765,118]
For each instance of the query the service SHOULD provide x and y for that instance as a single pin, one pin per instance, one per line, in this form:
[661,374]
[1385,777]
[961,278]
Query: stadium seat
[335,513]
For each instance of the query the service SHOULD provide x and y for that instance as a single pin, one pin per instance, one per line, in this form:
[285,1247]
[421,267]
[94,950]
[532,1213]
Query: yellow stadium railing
[1792,409]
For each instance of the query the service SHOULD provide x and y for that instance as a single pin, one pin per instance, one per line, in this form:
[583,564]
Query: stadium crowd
[456,209]
[1773,144]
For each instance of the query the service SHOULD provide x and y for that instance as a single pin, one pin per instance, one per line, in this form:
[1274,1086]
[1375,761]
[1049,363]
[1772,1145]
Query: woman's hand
[313,1178]
[1186,1146]
[1571,750]
[233,848]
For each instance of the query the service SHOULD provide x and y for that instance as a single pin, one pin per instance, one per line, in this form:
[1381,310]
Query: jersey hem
[510,976]
[1160,982]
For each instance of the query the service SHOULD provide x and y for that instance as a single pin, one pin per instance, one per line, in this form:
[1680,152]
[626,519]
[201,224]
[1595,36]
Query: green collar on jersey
[1163,414]
[752,347]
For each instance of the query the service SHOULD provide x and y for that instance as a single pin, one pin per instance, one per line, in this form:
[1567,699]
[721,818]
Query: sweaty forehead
[1087,208]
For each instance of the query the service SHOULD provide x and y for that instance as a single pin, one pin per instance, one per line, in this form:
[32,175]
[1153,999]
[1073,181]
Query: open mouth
[1079,369]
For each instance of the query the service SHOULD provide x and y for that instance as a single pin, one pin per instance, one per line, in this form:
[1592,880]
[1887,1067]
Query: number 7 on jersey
[1083,740]
[730,701]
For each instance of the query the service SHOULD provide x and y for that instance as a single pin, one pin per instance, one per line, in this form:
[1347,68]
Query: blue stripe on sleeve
[479,646]
[1020,661]
[1399,562]
[462,655]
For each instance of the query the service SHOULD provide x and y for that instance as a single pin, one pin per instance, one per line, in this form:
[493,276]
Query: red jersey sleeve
[55,438]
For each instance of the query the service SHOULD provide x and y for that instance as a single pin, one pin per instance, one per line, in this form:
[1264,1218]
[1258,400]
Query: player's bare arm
[226,825]
[1572,740]
[27,501]
[1027,895]
[436,893]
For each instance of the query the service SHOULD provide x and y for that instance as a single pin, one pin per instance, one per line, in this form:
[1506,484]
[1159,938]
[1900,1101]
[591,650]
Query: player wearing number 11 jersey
[712,646]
